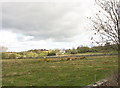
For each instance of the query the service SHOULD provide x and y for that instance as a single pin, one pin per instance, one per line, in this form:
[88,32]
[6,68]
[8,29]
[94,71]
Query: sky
[46,24]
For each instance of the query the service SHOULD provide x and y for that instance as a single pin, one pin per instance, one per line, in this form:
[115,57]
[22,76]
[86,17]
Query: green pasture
[34,72]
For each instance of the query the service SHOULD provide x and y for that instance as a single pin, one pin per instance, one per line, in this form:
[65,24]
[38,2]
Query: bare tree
[107,21]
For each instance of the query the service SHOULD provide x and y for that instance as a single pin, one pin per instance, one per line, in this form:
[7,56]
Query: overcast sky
[47,24]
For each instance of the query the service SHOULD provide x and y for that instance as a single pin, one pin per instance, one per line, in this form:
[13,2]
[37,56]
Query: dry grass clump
[63,59]
[74,58]
[48,60]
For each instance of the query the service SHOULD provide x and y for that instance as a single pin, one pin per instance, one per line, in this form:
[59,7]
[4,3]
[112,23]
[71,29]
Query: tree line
[36,53]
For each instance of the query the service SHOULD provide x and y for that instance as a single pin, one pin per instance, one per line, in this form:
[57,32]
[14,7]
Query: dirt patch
[16,74]
[53,66]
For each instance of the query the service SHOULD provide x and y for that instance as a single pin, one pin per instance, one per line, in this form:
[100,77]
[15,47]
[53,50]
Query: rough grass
[34,72]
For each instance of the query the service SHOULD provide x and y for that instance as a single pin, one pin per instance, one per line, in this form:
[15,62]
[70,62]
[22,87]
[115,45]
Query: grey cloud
[42,20]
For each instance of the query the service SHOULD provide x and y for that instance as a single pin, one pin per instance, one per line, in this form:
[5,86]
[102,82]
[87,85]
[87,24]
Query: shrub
[51,54]
[71,58]
[47,60]
[83,49]
[68,58]
[12,56]
[93,50]
[74,51]
[83,57]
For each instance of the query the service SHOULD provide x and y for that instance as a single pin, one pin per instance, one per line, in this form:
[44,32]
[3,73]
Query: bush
[83,57]
[47,60]
[71,51]
[93,50]
[51,54]
[83,49]
[12,56]
[74,51]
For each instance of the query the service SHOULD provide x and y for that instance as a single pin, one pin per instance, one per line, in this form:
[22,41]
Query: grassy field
[33,72]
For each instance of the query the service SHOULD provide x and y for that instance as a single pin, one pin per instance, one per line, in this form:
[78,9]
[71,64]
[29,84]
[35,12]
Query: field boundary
[77,55]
